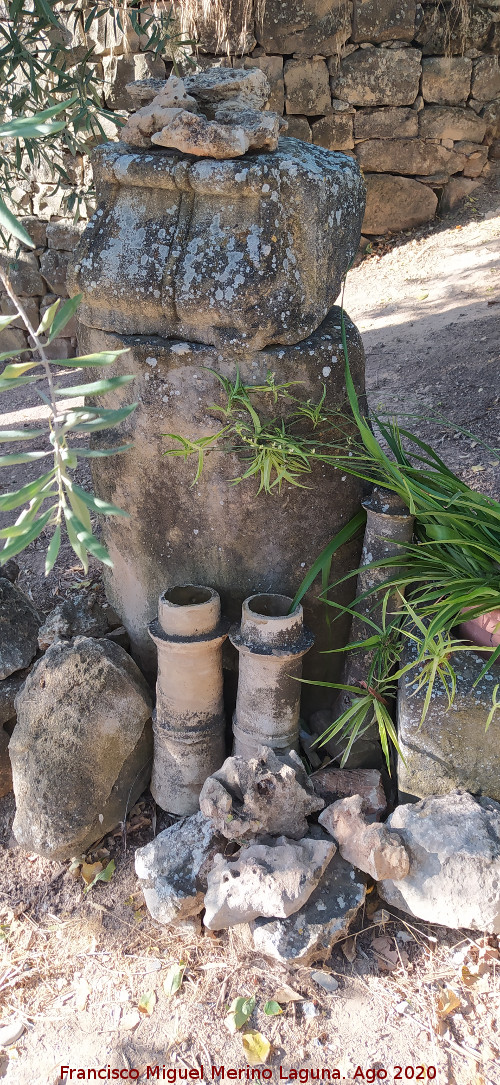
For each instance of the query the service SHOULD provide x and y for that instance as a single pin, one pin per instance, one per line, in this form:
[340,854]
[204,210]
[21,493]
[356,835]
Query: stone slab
[396,203]
[374,77]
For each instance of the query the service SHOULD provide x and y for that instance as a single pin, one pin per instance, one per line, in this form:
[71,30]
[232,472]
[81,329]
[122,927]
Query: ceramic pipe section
[271,644]
[189,723]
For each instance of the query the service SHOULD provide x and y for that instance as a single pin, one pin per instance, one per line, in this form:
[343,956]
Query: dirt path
[75,967]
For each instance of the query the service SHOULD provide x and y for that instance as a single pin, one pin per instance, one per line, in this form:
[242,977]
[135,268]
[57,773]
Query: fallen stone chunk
[310,933]
[261,129]
[9,689]
[81,616]
[263,794]
[173,869]
[265,880]
[332,783]
[194,134]
[247,88]
[82,748]
[454,846]
[369,847]
[19,624]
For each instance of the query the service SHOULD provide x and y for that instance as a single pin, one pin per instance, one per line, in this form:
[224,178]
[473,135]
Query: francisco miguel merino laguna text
[166,1073]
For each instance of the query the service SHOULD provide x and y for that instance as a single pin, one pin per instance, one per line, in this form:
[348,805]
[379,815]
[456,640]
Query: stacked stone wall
[412,90]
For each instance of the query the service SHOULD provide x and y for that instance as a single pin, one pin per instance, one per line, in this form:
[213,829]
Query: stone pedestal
[198,265]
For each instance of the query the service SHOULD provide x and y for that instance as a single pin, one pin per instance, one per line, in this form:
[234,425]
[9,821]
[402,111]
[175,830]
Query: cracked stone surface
[19,624]
[369,847]
[173,869]
[264,794]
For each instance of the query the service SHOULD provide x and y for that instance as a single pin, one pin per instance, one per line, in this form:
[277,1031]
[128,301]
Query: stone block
[454,846]
[12,339]
[36,229]
[222,37]
[455,191]
[407,156]
[371,77]
[443,30]
[120,70]
[31,307]
[448,122]
[385,123]
[450,748]
[24,273]
[491,115]
[446,80]
[64,235]
[476,157]
[383,20]
[332,783]
[303,27]
[108,38]
[396,203]
[494,153]
[299,127]
[307,87]
[486,79]
[334,132]
[54,268]
[273,70]
[370,847]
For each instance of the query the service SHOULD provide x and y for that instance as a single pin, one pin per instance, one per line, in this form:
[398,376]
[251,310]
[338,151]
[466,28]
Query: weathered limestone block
[303,27]
[491,114]
[142,91]
[272,67]
[309,934]
[162,255]
[455,191]
[173,868]
[273,879]
[24,274]
[109,36]
[443,30]
[332,783]
[379,77]
[19,624]
[451,748]
[486,79]
[31,307]
[396,203]
[369,847]
[220,29]
[231,134]
[264,794]
[454,847]
[387,123]
[446,80]
[408,156]
[383,20]
[476,157]
[54,268]
[63,234]
[299,127]
[448,122]
[249,89]
[120,70]
[334,132]
[240,543]
[81,616]
[82,747]
[307,87]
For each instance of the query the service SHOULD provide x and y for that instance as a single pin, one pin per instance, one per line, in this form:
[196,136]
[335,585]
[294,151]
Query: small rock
[454,846]
[309,1009]
[81,751]
[173,869]
[369,847]
[265,880]
[325,980]
[19,624]
[332,783]
[310,934]
[263,794]
[81,616]
[10,1032]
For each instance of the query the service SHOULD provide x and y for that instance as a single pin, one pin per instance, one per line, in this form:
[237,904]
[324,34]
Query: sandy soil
[75,967]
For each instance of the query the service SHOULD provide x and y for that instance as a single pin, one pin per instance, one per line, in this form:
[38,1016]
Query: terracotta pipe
[189,723]
[271,643]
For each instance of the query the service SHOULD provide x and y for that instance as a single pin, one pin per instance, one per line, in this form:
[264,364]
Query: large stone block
[112,34]
[383,20]
[385,123]
[226,536]
[54,268]
[24,273]
[445,30]
[486,79]
[64,235]
[334,132]
[203,250]
[450,748]
[82,748]
[446,80]
[304,27]
[220,29]
[448,122]
[273,70]
[396,203]
[379,77]
[407,156]
[307,87]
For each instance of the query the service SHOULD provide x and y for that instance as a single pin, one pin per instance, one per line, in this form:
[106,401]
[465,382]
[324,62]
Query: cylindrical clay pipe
[189,722]
[271,643]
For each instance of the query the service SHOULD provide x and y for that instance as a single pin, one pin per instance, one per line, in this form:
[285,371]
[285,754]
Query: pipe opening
[187,595]
[270,606]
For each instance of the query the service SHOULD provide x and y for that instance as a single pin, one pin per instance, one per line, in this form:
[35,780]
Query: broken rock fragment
[332,783]
[81,616]
[369,847]
[19,624]
[173,869]
[243,88]
[263,794]
[274,879]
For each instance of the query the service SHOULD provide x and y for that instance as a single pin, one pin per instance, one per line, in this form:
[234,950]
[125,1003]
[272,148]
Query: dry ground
[75,967]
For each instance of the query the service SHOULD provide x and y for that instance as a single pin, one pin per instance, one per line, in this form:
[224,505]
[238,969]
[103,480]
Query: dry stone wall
[411,89]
